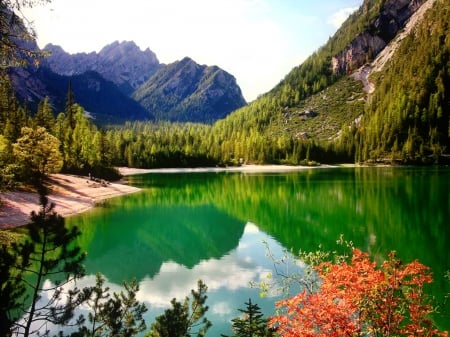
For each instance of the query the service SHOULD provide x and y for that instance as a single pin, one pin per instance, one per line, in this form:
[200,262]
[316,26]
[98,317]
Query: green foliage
[11,289]
[407,119]
[251,323]
[184,319]
[14,50]
[151,145]
[117,315]
[46,254]
[44,116]
[37,152]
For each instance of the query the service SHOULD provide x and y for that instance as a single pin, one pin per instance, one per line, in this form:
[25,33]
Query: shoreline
[71,195]
[126,171]
[76,194]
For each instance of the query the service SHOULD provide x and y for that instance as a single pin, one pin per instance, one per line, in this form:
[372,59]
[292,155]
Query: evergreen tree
[251,323]
[11,289]
[44,115]
[48,263]
[184,320]
[117,315]
[70,109]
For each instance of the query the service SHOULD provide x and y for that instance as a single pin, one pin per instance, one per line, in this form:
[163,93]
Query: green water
[211,226]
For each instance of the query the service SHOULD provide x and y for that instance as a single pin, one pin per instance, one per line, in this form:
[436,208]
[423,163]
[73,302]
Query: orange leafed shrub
[358,299]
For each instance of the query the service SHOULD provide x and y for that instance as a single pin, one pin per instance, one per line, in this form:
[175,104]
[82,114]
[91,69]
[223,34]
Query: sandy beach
[126,171]
[70,194]
[74,194]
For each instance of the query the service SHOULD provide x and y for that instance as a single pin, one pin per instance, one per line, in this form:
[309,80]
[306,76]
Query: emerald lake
[187,226]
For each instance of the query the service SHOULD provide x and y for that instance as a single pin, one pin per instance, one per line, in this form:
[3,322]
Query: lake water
[211,226]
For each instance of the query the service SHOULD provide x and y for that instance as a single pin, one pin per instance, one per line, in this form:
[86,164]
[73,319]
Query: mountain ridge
[196,93]
[122,63]
[185,86]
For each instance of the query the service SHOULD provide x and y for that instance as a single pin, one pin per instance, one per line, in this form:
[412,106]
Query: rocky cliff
[381,30]
[186,91]
[122,63]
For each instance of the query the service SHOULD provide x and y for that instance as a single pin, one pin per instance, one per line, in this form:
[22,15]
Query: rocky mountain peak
[123,63]
[117,51]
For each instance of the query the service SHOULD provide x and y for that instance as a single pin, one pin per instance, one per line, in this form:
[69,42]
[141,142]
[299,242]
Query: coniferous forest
[405,120]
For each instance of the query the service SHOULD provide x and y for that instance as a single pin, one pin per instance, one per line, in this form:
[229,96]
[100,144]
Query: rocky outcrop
[122,63]
[186,91]
[382,29]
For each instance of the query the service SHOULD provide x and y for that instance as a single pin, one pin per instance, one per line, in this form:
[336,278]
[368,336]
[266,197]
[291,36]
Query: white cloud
[174,280]
[338,18]
[222,308]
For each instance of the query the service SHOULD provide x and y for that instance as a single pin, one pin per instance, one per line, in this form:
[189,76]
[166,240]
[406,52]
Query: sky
[257,41]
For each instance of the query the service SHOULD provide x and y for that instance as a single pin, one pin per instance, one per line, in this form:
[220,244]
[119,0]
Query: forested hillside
[405,119]
[317,114]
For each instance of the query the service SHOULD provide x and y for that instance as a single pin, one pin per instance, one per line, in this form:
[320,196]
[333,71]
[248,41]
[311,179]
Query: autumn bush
[357,298]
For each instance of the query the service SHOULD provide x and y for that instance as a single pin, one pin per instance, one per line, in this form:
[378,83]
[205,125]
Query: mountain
[101,98]
[181,91]
[378,90]
[186,91]
[122,63]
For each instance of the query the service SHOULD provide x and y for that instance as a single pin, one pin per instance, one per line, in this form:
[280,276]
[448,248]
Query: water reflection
[141,239]
[183,227]
[228,278]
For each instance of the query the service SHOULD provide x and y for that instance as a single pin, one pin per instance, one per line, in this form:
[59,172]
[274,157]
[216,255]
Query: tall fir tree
[184,319]
[48,255]
[251,323]
[70,109]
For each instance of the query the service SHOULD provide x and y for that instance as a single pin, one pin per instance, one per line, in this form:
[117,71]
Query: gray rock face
[381,31]
[122,63]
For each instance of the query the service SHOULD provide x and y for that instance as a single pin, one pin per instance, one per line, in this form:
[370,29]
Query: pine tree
[117,315]
[70,107]
[11,289]
[44,115]
[48,255]
[184,320]
[251,323]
